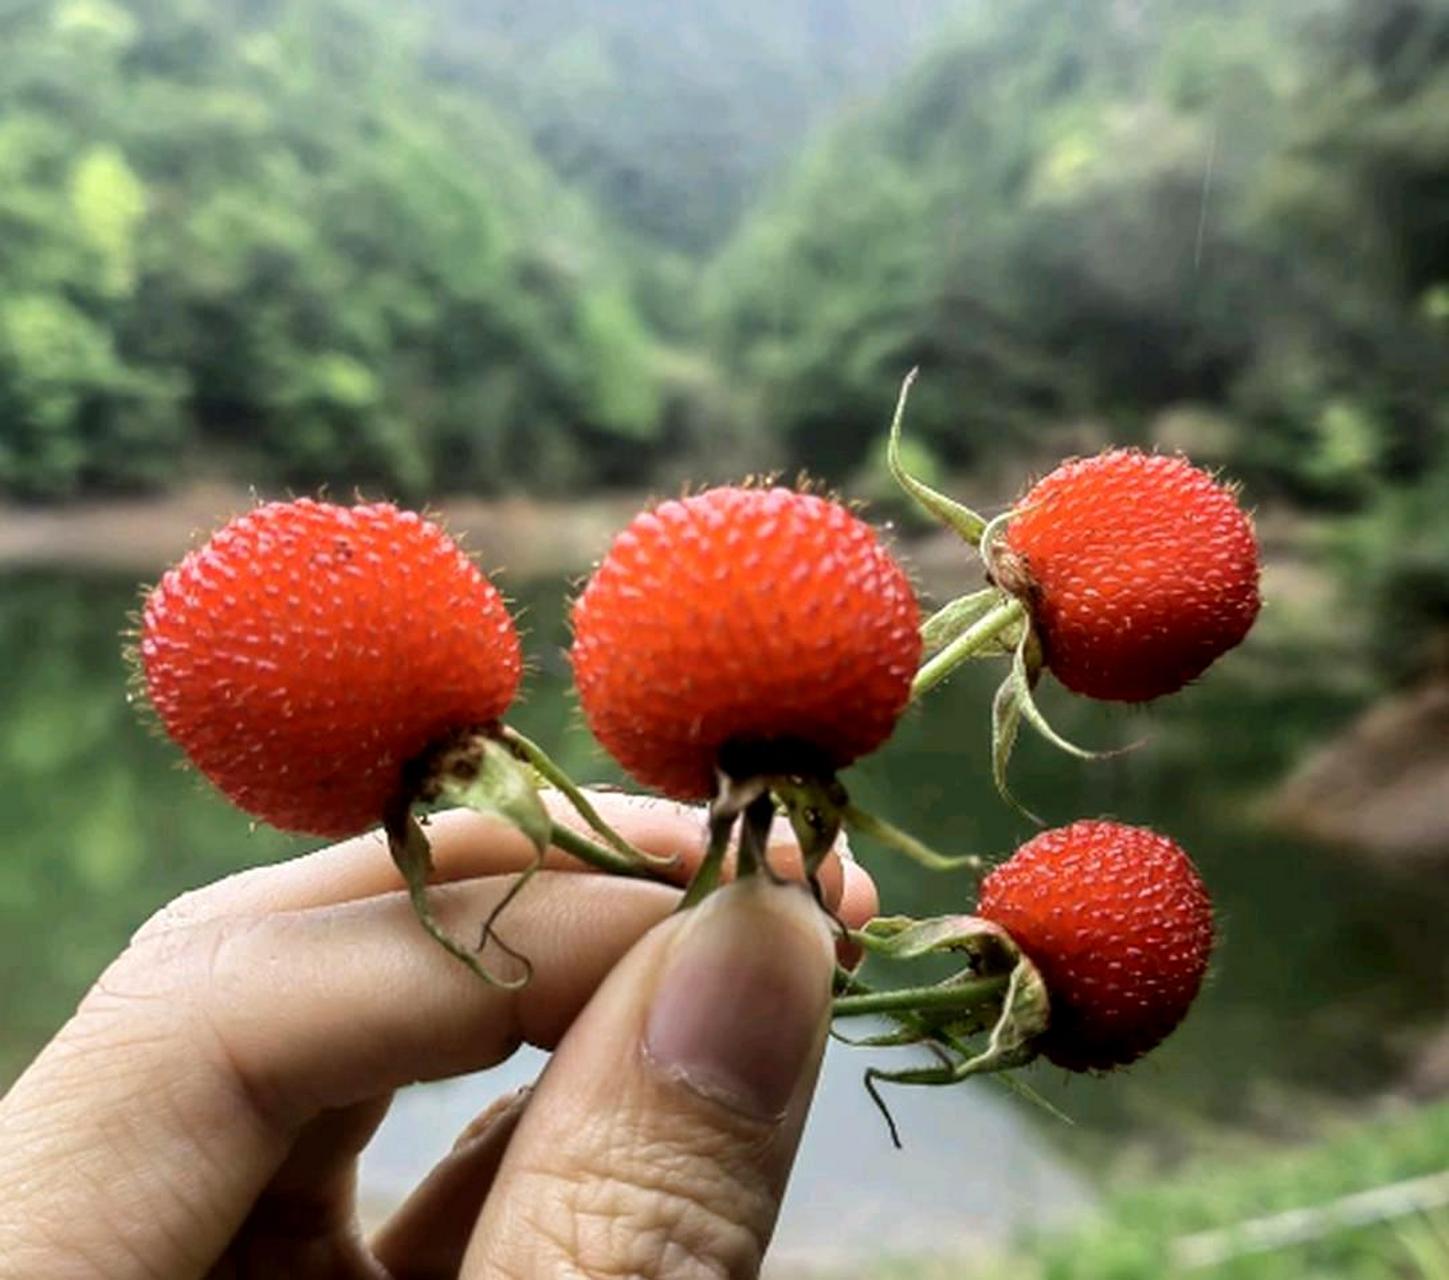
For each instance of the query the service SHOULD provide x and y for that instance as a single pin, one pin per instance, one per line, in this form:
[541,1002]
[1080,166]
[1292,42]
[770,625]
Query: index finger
[466,845]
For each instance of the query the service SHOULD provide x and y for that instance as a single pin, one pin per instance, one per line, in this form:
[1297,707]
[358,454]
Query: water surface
[1324,963]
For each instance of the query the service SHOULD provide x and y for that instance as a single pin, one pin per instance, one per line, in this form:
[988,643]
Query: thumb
[660,1139]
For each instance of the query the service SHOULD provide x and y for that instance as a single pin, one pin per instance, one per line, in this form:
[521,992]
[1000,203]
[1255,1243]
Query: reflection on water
[99,825]
[973,1167]
[1320,957]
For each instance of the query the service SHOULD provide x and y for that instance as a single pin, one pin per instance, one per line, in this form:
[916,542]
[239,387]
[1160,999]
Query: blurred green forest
[669,115]
[335,241]
[259,237]
[489,245]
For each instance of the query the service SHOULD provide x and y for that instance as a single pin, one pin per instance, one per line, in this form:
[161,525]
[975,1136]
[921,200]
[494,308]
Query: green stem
[721,825]
[970,993]
[967,645]
[596,855]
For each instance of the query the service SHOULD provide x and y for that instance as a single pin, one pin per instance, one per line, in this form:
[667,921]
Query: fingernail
[738,1012]
[500,1113]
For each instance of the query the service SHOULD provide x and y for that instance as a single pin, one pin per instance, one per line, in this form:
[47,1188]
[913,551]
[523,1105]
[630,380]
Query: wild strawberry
[1139,570]
[1119,925]
[309,652]
[758,630]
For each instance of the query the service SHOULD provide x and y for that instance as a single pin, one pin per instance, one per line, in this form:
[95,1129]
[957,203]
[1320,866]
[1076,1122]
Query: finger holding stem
[706,878]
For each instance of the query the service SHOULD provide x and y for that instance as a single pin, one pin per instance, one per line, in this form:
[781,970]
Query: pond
[1323,964]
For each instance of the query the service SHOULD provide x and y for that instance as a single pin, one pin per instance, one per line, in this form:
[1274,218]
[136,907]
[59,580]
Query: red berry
[1139,570]
[762,629]
[308,652]
[1120,927]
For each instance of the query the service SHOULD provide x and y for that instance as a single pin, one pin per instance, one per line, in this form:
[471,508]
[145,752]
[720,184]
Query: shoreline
[516,537]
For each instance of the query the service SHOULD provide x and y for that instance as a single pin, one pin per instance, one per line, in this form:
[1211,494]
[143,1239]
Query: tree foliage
[1126,213]
[671,116]
[254,234]
[460,244]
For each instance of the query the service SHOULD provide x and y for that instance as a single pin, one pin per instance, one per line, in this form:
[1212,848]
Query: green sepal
[732,798]
[901,1038]
[483,774]
[964,522]
[1032,1097]
[1015,700]
[955,618]
[992,533]
[858,820]
[414,859]
[816,810]
[990,953]
[1026,667]
[1015,1019]
[1005,724]
[1023,1018]
[544,771]
[988,946]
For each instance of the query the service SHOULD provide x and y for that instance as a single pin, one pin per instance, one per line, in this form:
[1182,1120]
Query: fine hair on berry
[1119,924]
[1139,571]
[308,653]
[764,630]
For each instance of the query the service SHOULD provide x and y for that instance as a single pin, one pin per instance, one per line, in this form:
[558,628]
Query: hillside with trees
[1216,226]
[258,239]
[673,116]
[1109,211]
[501,247]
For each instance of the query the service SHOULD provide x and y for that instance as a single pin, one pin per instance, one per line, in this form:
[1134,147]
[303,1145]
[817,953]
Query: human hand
[202,1112]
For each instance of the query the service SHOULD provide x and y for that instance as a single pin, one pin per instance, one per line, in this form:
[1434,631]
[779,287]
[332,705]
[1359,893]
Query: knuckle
[233,1028]
[180,914]
[156,972]
[145,1012]
[664,1210]
[194,908]
[177,989]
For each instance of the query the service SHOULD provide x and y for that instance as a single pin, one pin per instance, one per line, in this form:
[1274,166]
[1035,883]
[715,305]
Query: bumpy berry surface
[1140,571]
[308,652]
[763,623]
[1121,928]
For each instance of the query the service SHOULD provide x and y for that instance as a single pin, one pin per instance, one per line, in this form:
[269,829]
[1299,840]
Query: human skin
[202,1113]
